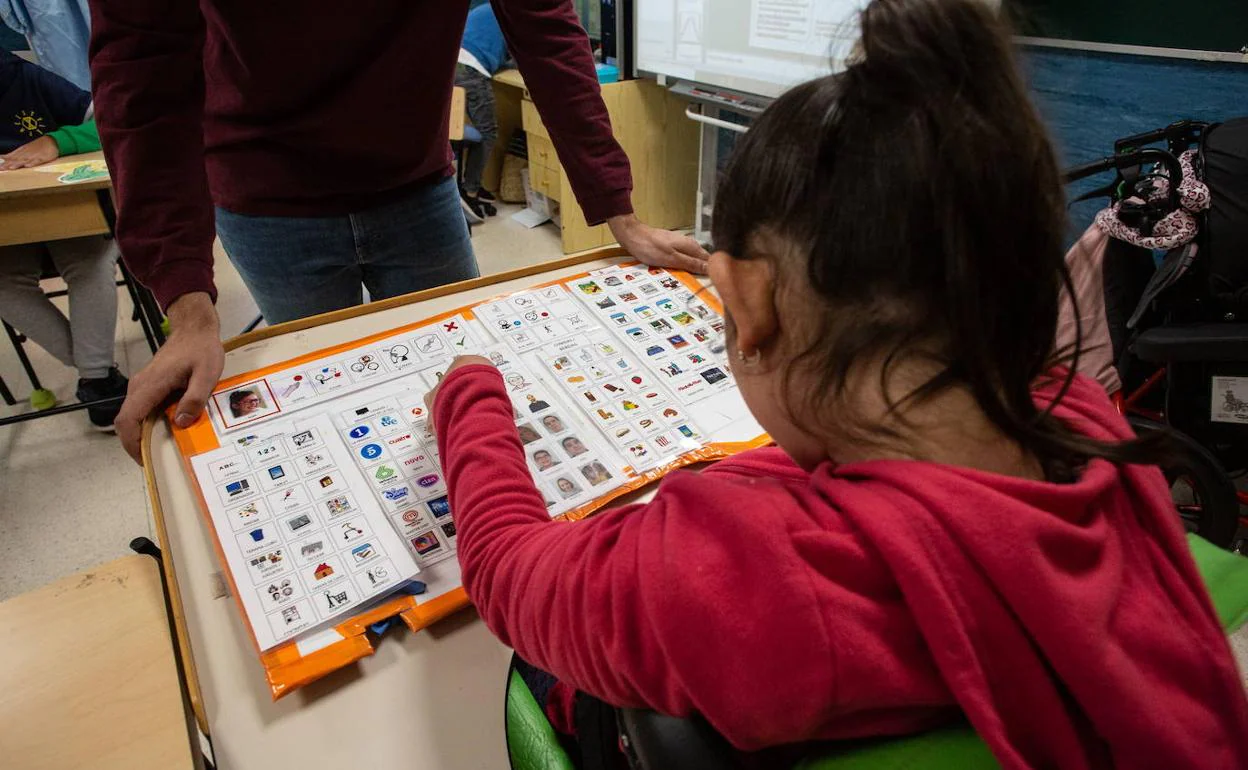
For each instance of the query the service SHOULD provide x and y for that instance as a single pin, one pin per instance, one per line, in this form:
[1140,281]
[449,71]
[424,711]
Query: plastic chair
[653,741]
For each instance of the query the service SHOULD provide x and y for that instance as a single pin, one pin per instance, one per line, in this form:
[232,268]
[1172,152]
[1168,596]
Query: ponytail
[922,192]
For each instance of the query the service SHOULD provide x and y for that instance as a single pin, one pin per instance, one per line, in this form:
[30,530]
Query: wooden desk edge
[234,343]
[509,77]
[46,182]
[58,189]
[171,580]
[420,296]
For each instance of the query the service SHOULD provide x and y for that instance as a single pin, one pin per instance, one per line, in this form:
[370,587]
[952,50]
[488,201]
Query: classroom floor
[70,498]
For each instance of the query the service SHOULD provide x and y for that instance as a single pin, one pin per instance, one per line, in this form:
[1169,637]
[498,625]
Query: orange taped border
[286,668]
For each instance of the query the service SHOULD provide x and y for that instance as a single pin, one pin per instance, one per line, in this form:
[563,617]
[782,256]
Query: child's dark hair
[921,192]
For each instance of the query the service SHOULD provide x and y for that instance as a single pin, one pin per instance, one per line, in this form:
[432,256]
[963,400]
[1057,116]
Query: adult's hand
[34,153]
[190,361]
[458,363]
[658,248]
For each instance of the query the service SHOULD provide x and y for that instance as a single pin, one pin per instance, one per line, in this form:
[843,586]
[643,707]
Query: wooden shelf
[648,122]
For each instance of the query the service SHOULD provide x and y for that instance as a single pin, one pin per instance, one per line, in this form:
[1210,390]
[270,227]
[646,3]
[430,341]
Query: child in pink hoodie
[952,522]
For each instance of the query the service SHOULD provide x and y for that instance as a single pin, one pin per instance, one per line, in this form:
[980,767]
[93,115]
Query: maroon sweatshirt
[311,108]
[1067,621]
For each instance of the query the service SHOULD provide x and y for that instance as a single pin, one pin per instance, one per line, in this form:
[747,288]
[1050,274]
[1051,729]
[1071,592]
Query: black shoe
[485,194]
[112,386]
[470,215]
[476,206]
[488,208]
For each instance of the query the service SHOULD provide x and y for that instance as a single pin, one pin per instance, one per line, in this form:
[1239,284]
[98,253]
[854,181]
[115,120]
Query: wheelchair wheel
[1203,493]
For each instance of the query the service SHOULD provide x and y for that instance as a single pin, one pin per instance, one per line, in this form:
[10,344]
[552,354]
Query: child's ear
[747,287]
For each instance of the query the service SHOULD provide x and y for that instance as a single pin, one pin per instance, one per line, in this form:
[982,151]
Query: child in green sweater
[43,117]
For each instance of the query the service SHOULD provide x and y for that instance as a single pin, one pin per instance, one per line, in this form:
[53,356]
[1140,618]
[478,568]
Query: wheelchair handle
[1182,133]
[1134,158]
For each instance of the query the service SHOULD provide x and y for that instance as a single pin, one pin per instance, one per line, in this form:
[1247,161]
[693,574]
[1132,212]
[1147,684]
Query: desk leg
[141,309]
[154,316]
[144,303]
[200,741]
[17,340]
[6,394]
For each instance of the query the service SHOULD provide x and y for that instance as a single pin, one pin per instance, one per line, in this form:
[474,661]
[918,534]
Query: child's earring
[749,361]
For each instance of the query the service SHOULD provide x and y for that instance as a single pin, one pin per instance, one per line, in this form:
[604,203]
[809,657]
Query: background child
[950,525]
[44,116]
[481,54]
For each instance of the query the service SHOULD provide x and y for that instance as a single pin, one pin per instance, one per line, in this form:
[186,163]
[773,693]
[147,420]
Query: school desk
[649,123]
[433,699]
[87,674]
[36,207]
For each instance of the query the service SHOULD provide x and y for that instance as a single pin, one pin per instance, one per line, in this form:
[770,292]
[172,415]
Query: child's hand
[34,153]
[458,363]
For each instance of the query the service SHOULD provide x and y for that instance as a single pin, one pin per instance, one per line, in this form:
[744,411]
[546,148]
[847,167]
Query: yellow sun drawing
[29,123]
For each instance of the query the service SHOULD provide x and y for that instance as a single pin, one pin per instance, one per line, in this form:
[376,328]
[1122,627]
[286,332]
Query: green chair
[657,741]
[531,741]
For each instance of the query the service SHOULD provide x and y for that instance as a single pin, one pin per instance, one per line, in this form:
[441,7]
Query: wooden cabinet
[648,122]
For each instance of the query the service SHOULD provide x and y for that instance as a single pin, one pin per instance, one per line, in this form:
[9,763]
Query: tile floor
[70,498]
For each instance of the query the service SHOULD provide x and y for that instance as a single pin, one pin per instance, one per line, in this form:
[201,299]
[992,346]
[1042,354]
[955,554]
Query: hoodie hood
[1040,602]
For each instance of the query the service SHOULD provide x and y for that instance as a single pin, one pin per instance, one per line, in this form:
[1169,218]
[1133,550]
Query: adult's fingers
[143,396]
[692,248]
[687,263]
[198,389]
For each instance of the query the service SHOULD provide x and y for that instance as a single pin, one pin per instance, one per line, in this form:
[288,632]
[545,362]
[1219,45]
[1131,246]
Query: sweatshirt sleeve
[148,84]
[549,44]
[71,140]
[621,605]
[555,591]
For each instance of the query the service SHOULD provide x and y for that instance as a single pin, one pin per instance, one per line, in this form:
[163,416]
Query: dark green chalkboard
[1203,25]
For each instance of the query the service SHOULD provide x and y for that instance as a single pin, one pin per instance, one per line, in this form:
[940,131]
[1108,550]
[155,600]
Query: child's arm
[616,604]
[36,152]
[71,140]
[66,140]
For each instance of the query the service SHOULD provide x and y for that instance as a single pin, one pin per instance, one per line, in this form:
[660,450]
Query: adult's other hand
[656,247]
[190,361]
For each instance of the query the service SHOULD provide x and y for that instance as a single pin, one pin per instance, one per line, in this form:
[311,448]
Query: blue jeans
[300,266]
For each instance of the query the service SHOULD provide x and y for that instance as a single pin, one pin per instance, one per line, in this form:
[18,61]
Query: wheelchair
[638,739]
[1179,326]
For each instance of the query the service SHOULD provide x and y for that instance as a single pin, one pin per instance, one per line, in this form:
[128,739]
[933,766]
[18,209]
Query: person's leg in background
[89,267]
[479,102]
[26,308]
[294,267]
[85,340]
[417,242]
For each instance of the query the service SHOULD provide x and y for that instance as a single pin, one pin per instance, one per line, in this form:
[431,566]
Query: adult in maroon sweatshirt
[291,111]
